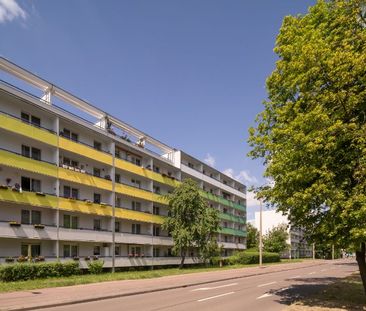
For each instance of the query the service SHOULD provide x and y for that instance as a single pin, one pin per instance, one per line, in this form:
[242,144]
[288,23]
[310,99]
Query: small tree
[275,241]
[252,236]
[191,222]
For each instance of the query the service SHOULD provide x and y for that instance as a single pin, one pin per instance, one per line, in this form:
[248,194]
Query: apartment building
[77,183]
[299,248]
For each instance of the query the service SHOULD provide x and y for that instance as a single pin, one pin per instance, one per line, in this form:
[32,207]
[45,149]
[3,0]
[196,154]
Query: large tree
[275,240]
[312,132]
[190,221]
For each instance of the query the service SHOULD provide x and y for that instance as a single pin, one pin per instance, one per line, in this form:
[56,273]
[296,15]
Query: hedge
[252,257]
[28,271]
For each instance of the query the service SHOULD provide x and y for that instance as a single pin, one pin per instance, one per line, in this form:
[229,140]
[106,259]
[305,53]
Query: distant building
[299,246]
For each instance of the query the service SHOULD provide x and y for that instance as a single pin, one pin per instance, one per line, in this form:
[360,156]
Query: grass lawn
[344,294]
[126,275]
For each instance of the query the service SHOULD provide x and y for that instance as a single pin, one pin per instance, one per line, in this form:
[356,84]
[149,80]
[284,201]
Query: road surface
[272,291]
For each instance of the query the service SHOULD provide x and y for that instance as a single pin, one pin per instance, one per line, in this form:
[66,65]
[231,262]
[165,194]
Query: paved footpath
[59,296]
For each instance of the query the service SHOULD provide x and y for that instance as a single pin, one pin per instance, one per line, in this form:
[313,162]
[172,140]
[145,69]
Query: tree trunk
[182,258]
[360,257]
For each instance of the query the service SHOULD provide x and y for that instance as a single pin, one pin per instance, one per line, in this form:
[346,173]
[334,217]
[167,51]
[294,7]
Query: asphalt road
[272,291]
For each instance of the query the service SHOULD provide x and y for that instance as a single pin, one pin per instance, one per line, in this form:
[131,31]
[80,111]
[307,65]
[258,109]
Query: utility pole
[313,251]
[332,251]
[260,233]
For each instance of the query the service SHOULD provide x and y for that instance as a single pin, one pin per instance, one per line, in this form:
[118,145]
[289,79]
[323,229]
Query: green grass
[126,275]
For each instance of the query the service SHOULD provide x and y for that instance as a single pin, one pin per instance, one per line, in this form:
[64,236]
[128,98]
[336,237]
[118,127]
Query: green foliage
[28,271]
[246,258]
[252,236]
[275,240]
[96,266]
[191,222]
[312,132]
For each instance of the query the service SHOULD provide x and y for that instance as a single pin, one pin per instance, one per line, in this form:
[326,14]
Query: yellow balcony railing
[14,160]
[85,151]
[15,125]
[139,193]
[138,216]
[130,167]
[28,198]
[84,179]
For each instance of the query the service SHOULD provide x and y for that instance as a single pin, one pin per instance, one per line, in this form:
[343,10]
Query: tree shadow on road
[324,294]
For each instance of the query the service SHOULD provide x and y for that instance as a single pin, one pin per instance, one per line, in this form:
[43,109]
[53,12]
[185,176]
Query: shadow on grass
[321,293]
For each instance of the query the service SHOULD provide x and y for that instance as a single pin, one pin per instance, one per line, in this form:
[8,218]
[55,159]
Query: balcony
[85,150]
[27,232]
[139,193]
[14,160]
[138,170]
[222,201]
[16,125]
[232,231]
[231,245]
[233,218]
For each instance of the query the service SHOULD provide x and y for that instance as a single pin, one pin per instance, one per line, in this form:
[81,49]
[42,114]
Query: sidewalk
[57,296]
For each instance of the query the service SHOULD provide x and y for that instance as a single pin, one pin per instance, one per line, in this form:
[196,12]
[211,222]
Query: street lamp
[260,233]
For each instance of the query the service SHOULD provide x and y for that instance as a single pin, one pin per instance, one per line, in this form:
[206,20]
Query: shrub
[28,271]
[252,257]
[96,266]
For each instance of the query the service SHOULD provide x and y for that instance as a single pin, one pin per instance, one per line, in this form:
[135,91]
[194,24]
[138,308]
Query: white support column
[58,190]
[113,208]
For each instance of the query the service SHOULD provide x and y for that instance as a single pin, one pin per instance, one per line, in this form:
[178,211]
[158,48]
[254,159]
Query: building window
[96,251]
[97,198]
[36,218]
[138,161]
[156,189]
[97,145]
[156,210]
[117,250]
[117,178]
[190,165]
[25,217]
[36,154]
[71,251]
[29,184]
[156,169]
[118,202]
[136,206]
[25,151]
[136,228]
[136,183]
[36,185]
[71,221]
[70,135]
[25,117]
[67,252]
[136,250]
[36,121]
[97,225]
[156,231]
[71,192]
[35,250]
[117,226]
[96,172]
[156,252]
[74,137]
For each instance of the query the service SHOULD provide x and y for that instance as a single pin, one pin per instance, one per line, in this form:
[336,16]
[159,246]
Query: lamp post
[260,233]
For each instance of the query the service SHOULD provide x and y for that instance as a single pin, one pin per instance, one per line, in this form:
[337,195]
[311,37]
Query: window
[74,137]
[97,145]
[74,163]
[25,151]
[136,183]
[117,226]
[96,172]
[117,250]
[136,228]
[71,221]
[35,250]
[136,206]
[35,121]
[156,252]
[138,161]
[118,202]
[25,117]
[156,169]
[70,250]
[97,198]
[36,154]
[36,185]
[156,189]
[136,250]
[26,183]
[74,250]
[75,193]
[97,224]
[66,161]
[117,178]
[25,217]
[156,210]
[66,133]
[67,192]
[117,153]
[96,251]
[190,165]
[67,252]
[156,231]
[36,218]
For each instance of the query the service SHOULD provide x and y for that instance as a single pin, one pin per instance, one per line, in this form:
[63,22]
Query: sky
[190,73]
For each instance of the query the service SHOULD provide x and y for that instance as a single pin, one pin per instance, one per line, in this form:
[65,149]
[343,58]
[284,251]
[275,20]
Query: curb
[93,299]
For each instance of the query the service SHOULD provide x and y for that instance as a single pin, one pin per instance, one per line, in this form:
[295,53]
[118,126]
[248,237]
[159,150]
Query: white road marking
[208,288]
[282,289]
[264,296]
[217,296]
[267,284]
[294,277]
[312,272]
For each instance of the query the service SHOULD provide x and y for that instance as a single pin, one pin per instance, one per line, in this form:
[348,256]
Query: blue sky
[190,73]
